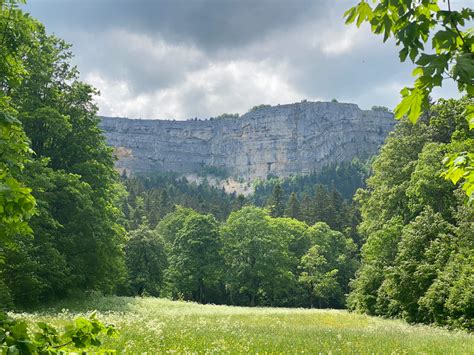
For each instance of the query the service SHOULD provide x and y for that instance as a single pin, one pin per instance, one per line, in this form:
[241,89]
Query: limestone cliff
[281,140]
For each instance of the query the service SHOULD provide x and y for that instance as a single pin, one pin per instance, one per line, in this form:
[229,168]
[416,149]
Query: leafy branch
[82,333]
[412,23]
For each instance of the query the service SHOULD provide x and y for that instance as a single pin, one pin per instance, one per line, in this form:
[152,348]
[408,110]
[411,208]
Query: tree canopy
[416,226]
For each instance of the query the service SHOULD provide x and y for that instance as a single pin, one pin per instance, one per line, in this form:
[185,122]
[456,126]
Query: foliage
[328,266]
[252,259]
[345,177]
[413,24]
[378,255]
[410,23]
[256,258]
[239,202]
[76,238]
[450,299]
[195,263]
[17,205]
[460,166]
[319,278]
[224,116]
[276,204]
[416,227]
[293,209]
[259,107]
[81,334]
[424,248]
[169,226]
[146,261]
[16,202]
[380,108]
[155,195]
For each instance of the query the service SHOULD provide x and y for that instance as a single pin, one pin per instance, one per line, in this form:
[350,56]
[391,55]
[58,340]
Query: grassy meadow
[159,325]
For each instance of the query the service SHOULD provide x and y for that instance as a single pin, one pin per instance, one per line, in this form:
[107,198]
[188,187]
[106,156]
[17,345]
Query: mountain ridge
[280,140]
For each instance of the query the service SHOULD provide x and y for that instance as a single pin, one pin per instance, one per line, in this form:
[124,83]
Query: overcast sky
[199,58]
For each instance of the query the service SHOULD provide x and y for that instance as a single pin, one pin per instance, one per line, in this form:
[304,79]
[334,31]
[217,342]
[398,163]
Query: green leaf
[463,70]
[469,112]
[417,71]
[13,350]
[365,13]
[403,54]
[470,90]
[411,104]
[445,41]
[413,54]
[455,174]
[350,15]
[387,27]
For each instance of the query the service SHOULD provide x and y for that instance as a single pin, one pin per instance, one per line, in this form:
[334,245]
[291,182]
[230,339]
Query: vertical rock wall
[280,140]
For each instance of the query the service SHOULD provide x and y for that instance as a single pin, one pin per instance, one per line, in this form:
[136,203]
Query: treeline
[320,204]
[250,259]
[312,198]
[154,196]
[195,242]
[345,177]
[417,261]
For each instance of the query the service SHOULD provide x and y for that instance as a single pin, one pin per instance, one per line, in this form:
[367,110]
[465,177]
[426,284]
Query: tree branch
[456,27]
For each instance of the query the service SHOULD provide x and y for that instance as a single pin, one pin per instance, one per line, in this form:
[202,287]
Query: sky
[179,59]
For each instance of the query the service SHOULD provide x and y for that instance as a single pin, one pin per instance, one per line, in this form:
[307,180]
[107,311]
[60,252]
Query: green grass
[153,325]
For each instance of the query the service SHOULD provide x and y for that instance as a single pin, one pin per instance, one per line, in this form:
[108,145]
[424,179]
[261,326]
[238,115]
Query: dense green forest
[417,261]
[75,236]
[403,247]
[321,196]
[251,259]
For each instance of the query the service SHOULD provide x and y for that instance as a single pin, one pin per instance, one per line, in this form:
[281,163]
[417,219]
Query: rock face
[281,140]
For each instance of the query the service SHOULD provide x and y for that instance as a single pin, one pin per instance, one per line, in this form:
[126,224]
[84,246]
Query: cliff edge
[280,140]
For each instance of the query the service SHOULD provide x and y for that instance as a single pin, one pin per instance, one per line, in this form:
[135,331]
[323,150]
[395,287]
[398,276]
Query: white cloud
[233,86]
[339,42]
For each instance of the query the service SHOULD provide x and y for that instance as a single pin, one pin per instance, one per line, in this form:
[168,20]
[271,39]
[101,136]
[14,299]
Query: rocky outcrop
[281,140]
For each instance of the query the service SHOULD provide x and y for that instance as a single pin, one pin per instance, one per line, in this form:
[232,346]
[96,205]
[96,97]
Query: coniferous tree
[276,203]
[239,202]
[293,207]
[307,209]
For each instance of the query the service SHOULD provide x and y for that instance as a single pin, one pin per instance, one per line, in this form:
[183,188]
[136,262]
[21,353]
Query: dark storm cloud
[211,24]
[99,30]
[162,59]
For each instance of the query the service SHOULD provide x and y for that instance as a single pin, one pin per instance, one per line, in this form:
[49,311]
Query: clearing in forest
[159,325]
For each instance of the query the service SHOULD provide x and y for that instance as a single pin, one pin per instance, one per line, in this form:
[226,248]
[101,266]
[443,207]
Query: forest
[389,236]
